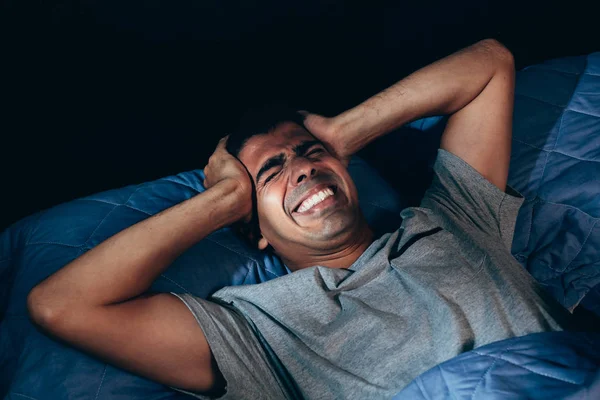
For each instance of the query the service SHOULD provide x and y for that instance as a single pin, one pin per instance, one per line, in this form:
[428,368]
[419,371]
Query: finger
[206,174]
[315,123]
[223,143]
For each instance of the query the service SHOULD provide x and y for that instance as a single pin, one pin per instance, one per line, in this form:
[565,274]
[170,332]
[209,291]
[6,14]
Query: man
[360,317]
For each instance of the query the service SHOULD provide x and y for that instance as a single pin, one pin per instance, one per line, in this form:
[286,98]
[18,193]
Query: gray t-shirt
[444,283]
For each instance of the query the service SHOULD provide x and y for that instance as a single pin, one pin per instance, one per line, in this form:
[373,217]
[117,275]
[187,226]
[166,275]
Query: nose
[302,170]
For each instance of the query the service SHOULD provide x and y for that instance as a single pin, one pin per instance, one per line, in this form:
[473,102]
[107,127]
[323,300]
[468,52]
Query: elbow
[40,309]
[502,54]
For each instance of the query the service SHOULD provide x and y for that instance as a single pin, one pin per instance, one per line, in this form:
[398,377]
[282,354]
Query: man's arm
[474,85]
[93,302]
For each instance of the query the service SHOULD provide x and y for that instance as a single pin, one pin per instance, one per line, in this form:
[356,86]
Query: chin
[334,228]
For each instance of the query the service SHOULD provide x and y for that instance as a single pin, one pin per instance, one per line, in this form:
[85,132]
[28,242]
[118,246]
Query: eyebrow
[300,149]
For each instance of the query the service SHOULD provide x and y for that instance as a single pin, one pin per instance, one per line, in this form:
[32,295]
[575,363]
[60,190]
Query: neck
[342,257]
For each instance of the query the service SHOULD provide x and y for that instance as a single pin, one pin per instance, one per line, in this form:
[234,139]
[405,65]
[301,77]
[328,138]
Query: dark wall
[98,95]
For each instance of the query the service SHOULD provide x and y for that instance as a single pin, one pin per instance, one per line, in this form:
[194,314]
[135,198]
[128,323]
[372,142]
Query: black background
[96,95]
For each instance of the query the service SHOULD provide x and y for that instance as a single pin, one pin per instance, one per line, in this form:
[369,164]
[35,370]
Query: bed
[555,164]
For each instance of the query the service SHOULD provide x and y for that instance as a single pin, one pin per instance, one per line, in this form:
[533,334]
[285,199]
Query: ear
[262,243]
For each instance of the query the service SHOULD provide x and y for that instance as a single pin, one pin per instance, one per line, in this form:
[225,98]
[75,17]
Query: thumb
[316,124]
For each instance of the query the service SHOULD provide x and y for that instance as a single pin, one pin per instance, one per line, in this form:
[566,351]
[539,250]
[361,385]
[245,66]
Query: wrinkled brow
[303,147]
[300,149]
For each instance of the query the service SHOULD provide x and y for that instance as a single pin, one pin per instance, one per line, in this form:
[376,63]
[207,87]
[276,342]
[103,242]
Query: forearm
[125,265]
[441,88]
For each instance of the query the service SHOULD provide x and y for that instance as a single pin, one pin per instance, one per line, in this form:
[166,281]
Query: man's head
[306,203]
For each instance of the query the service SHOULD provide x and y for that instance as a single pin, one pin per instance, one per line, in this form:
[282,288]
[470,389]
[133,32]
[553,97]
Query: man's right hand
[223,166]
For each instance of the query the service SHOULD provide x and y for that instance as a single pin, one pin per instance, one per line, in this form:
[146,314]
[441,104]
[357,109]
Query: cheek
[270,208]
[349,183]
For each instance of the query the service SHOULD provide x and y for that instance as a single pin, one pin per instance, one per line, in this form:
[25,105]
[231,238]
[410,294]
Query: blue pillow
[36,366]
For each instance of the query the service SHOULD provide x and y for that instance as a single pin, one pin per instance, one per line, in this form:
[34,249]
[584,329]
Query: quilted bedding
[555,165]
[550,365]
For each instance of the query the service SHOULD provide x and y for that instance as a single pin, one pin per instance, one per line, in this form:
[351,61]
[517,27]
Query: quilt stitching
[584,292]
[107,215]
[422,388]
[544,170]
[581,275]
[179,183]
[555,151]
[119,205]
[98,226]
[261,267]
[588,275]
[448,393]
[483,377]
[98,201]
[23,395]
[547,154]
[137,209]
[583,112]
[175,283]
[269,271]
[582,245]
[560,125]
[560,272]
[572,207]
[101,383]
[540,100]
[499,357]
[36,227]
[73,246]
[545,67]
[230,249]
[246,276]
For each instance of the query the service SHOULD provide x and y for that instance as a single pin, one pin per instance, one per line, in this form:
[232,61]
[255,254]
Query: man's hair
[258,121]
[261,120]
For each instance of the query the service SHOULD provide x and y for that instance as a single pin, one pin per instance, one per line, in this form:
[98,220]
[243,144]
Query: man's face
[306,200]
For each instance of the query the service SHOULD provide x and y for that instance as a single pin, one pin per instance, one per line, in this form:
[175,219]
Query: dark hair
[258,121]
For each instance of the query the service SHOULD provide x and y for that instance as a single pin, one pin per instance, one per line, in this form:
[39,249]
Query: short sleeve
[462,194]
[241,359]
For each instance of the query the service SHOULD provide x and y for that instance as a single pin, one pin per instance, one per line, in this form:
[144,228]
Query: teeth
[315,199]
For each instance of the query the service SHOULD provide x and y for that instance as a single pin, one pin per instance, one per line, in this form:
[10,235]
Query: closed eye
[316,150]
[271,177]
[278,161]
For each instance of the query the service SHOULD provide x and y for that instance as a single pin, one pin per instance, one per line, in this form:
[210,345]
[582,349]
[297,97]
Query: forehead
[260,148]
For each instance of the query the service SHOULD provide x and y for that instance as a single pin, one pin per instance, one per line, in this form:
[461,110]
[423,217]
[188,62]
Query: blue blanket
[555,165]
[551,365]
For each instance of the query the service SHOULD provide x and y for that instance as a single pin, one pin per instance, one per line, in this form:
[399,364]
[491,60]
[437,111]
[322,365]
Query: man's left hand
[326,130]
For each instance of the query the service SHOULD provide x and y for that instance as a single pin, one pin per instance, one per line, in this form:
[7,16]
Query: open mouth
[316,198]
